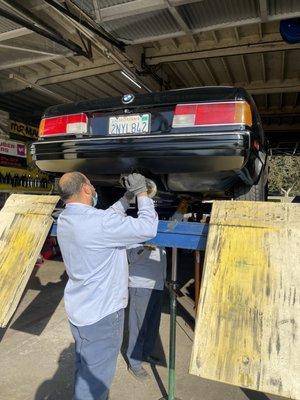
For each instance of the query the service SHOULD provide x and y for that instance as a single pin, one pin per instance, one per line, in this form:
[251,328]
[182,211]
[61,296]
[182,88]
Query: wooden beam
[181,22]
[210,71]
[177,75]
[263,66]
[296,99]
[260,31]
[263,10]
[137,7]
[236,32]
[228,72]
[84,72]
[221,52]
[97,10]
[195,74]
[283,65]
[30,61]
[109,84]
[14,34]
[280,99]
[215,36]
[97,89]
[245,68]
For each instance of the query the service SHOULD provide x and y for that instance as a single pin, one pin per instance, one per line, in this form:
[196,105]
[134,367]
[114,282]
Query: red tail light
[64,124]
[203,114]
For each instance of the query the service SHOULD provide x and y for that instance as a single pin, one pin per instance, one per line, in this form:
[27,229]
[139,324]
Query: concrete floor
[36,353]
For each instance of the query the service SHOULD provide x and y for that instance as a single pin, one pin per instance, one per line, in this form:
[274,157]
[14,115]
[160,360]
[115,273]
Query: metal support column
[172,341]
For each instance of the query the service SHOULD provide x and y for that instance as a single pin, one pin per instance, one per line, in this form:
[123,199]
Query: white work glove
[135,183]
[129,196]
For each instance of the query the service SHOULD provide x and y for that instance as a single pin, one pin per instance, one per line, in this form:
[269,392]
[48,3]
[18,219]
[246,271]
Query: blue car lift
[177,235]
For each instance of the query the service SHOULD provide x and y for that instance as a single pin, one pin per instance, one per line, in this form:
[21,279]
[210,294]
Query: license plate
[129,124]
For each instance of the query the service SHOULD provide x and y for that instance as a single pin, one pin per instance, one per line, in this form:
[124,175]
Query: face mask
[95,199]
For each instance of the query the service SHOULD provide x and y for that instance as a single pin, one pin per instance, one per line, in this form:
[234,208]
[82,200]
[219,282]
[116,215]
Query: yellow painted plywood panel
[248,323]
[25,221]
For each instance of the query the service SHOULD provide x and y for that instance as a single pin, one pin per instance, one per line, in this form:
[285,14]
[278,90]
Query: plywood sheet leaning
[25,221]
[248,325]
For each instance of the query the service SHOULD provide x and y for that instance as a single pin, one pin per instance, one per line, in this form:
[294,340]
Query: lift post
[182,235]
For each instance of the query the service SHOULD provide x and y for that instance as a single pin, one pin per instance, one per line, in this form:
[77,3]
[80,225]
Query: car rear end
[192,140]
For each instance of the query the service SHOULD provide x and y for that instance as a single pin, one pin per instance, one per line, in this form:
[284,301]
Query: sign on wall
[13,153]
[19,128]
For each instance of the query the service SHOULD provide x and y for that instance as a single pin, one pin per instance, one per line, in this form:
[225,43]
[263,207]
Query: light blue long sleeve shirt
[93,245]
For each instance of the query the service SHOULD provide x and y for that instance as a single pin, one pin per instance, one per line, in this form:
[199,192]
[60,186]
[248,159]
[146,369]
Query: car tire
[258,192]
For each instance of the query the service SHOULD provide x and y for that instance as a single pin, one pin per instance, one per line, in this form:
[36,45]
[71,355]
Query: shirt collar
[74,204]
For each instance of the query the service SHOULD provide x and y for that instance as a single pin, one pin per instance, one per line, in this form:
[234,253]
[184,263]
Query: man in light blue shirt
[93,245]
[147,274]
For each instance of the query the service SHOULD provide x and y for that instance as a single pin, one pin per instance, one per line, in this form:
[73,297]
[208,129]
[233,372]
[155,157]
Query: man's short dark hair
[70,184]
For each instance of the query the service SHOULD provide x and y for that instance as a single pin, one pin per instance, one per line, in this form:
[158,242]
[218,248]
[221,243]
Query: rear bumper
[158,154]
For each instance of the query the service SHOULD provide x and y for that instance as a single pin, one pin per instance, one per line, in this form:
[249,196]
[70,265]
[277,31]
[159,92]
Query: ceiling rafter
[295,102]
[283,65]
[39,88]
[27,50]
[265,47]
[14,34]
[174,42]
[194,72]
[137,7]
[215,36]
[181,22]
[109,84]
[177,75]
[124,82]
[97,10]
[57,64]
[83,88]
[96,88]
[245,68]
[263,66]
[236,33]
[65,87]
[260,31]
[210,71]
[20,63]
[263,10]
[227,69]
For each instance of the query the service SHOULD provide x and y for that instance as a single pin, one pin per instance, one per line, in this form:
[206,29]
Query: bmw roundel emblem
[127,98]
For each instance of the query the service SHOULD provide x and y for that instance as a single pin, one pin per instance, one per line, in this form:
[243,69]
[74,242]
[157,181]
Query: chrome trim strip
[146,136]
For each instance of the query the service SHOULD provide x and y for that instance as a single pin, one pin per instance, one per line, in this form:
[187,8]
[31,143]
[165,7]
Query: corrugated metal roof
[206,13]
[109,3]
[276,7]
[136,27]
[7,25]
[88,6]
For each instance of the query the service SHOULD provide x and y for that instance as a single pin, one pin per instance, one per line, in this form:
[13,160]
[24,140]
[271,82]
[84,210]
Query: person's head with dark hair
[74,187]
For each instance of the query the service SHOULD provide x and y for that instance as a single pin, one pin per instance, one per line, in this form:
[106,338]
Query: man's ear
[86,189]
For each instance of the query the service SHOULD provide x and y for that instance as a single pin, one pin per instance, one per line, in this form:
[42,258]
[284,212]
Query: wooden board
[248,324]
[25,221]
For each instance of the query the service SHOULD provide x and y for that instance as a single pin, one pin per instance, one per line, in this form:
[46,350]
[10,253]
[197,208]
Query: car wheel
[258,192]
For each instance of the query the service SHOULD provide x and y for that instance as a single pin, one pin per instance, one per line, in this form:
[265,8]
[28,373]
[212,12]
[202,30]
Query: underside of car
[198,143]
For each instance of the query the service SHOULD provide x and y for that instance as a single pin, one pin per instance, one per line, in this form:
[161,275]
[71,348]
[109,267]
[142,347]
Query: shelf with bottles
[22,180]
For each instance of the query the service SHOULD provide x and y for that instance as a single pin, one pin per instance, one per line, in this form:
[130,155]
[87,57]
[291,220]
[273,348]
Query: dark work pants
[96,349]
[144,319]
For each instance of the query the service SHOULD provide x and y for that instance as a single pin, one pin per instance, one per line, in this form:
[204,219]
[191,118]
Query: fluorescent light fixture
[131,79]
